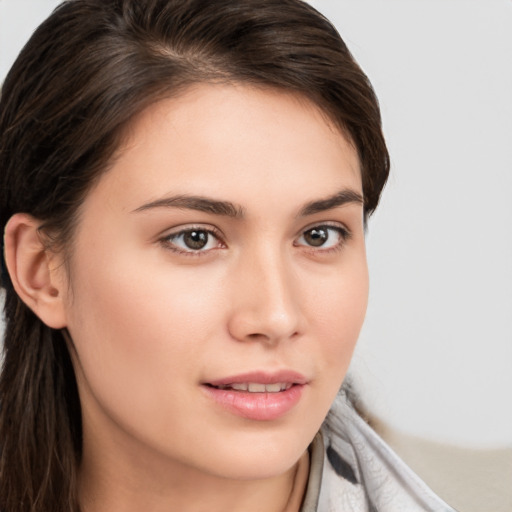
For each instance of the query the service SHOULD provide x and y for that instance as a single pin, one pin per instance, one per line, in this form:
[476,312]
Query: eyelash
[344,236]
[168,240]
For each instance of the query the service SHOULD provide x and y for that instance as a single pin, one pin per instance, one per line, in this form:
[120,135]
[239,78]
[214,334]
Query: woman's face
[218,283]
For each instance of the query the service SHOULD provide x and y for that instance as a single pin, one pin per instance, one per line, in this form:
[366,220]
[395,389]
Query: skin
[152,320]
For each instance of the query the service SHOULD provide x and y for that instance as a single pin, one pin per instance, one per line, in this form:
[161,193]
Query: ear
[35,273]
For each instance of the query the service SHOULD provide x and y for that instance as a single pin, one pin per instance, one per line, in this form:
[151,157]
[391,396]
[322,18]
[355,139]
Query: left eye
[192,240]
[325,237]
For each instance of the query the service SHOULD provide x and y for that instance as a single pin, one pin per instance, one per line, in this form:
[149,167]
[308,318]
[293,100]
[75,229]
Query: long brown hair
[84,74]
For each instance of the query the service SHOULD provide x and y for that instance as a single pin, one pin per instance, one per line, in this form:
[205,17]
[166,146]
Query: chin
[261,457]
[259,468]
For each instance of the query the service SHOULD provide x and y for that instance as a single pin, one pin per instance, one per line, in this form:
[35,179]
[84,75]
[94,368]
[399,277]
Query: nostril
[267,325]
[257,336]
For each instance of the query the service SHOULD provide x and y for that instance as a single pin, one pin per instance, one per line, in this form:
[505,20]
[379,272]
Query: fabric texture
[353,470]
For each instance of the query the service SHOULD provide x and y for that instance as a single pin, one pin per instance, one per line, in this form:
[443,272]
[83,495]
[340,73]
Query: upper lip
[261,377]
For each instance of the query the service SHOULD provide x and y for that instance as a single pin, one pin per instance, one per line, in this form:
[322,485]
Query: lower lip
[257,406]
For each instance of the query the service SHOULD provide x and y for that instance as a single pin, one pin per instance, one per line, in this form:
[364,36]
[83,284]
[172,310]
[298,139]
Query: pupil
[195,239]
[316,237]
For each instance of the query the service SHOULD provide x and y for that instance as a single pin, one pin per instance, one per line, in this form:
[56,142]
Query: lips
[257,387]
[260,377]
[258,396]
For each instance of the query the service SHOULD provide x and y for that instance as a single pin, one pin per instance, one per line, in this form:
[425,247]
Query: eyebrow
[198,203]
[339,199]
[229,209]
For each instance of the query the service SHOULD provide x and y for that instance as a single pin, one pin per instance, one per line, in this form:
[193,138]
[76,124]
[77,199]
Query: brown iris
[316,236]
[195,239]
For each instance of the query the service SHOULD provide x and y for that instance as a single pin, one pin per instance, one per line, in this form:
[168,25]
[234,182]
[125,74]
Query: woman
[185,186]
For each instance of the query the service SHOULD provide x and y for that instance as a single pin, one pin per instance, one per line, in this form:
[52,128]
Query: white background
[435,355]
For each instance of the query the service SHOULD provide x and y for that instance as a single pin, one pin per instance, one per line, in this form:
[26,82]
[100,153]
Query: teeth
[253,387]
[256,387]
[273,388]
[240,387]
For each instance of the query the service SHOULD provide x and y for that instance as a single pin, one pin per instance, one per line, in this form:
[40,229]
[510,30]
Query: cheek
[132,327]
[137,320]
[135,315]
[339,311]
[139,338]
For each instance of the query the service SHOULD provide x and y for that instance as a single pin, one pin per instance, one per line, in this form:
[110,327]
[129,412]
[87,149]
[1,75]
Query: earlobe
[30,269]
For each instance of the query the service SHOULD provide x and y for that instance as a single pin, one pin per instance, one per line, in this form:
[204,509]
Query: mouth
[258,396]
[259,381]
[255,387]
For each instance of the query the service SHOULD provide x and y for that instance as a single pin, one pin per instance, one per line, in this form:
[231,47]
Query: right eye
[192,240]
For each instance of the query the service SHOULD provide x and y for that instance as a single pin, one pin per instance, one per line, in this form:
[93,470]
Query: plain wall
[435,355]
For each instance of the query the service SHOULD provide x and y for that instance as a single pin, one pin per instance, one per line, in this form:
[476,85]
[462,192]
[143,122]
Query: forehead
[235,140]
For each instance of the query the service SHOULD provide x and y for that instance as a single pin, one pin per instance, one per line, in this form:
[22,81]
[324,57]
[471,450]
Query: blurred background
[434,362]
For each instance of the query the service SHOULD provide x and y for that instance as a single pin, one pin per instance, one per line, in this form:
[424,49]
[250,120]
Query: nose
[265,303]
